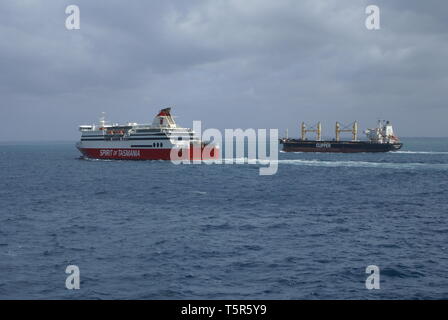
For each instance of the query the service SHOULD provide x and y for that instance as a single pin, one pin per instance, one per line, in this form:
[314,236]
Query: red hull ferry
[161,140]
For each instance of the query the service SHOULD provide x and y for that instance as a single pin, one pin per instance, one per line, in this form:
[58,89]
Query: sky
[230,63]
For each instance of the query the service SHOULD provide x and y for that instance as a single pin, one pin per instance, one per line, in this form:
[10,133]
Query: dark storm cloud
[234,63]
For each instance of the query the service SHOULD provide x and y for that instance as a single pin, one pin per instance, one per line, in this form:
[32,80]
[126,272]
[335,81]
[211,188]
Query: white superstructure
[384,133]
[163,133]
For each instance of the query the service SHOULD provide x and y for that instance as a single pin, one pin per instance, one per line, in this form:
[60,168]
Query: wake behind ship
[154,141]
[380,139]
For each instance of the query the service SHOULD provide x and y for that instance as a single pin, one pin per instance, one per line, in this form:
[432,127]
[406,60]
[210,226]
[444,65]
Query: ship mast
[317,129]
[353,131]
[102,120]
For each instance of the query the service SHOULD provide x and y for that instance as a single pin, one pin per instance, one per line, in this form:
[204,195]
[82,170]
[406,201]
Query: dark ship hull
[294,145]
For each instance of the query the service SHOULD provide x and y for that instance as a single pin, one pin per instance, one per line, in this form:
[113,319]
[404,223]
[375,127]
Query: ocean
[155,230]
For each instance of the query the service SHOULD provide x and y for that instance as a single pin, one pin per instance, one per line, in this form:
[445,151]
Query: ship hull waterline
[338,147]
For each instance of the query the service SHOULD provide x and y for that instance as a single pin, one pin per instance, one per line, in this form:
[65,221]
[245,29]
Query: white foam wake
[353,164]
[367,164]
[420,152]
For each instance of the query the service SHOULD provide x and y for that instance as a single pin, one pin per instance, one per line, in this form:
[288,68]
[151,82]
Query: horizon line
[74,141]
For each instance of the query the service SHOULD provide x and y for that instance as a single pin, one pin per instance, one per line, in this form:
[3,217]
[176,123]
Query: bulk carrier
[380,139]
[154,141]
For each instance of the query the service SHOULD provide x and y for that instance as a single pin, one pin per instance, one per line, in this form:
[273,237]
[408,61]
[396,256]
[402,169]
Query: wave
[326,163]
[93,159]
[420,152]
[199,192]
[353,164]
[367,164]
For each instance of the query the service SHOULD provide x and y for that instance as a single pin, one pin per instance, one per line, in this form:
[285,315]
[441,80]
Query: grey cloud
[235,63]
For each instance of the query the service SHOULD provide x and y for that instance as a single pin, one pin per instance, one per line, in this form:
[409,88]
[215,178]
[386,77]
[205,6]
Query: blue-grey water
[155,230]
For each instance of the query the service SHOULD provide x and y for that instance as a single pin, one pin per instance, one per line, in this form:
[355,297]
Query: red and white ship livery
[161,140]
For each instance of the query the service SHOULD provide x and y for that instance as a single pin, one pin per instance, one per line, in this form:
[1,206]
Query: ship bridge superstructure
[163,129]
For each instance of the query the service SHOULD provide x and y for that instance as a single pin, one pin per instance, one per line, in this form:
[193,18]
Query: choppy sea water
[155,230]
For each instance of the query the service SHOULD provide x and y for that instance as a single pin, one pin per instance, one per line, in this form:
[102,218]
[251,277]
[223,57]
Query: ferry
[160,140]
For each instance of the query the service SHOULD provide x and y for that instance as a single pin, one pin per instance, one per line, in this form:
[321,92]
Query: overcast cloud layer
[229,63]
